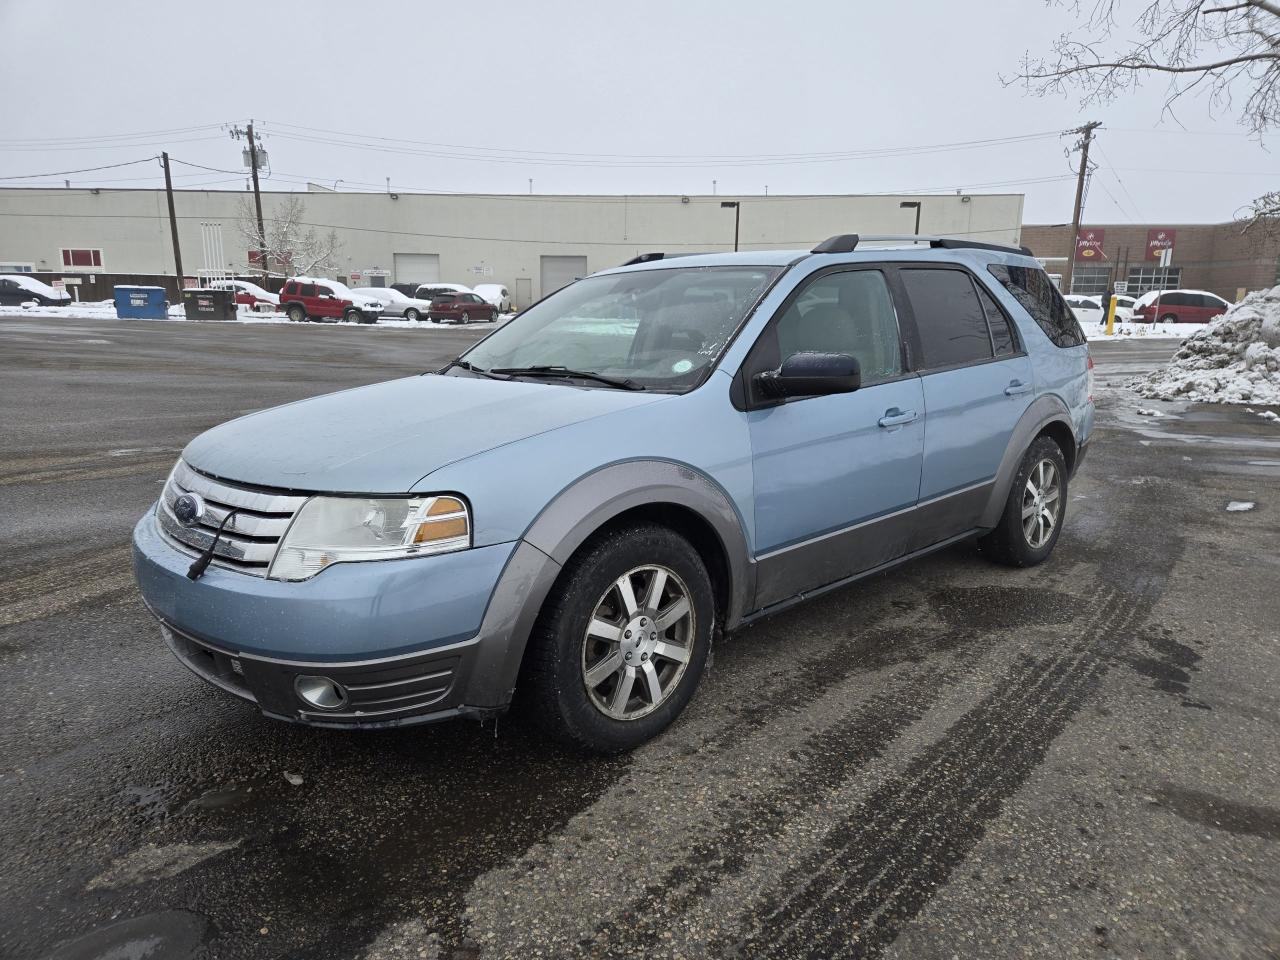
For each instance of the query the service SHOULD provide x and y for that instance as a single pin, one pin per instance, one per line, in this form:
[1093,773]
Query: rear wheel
[296,313]
[413,315]
[622,641]
[466,317]
[1034,513]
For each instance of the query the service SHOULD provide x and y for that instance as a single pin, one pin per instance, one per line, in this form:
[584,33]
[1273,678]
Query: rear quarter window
[1036,294]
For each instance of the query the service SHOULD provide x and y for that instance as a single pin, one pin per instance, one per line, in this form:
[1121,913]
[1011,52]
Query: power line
[107,137]
[507,154]
[63,173]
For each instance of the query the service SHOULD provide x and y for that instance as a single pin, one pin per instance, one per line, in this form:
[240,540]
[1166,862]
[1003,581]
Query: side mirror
[811,375]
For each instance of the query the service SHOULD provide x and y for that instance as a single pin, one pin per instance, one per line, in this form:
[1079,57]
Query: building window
[81,257]
[17,268]
[1142,279]
[1091,281]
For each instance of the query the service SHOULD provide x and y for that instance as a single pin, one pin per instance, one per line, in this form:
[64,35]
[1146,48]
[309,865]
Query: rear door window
[1036,294]
[951,323]
[1002,337]
[306,289]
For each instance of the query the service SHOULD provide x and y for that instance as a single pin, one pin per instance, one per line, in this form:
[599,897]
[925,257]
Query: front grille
[248,543]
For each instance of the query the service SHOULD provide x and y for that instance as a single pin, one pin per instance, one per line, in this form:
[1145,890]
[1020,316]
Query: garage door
[417,267]
[559,271]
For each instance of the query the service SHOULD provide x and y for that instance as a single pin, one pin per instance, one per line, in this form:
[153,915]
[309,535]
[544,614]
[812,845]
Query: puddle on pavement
[167,935]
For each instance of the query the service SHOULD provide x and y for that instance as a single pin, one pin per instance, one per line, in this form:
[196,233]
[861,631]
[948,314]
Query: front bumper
[408,640]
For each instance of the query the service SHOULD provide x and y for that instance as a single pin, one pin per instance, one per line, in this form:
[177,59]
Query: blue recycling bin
[141,303]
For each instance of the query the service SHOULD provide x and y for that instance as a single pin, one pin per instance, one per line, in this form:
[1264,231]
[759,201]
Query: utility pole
[236,134]
[257,202]
[173,220]
[1086,133]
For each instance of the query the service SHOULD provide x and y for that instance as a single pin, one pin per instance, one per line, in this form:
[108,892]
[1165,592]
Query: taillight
[1090,356]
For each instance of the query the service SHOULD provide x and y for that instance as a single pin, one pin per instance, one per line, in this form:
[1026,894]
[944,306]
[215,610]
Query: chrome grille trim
[248,543]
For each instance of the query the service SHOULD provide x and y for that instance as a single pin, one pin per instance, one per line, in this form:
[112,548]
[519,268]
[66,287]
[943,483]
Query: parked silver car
[396,306]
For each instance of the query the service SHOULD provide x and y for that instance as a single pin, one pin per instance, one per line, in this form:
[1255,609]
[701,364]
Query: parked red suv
[314,298]
[1179,306]
[461,308]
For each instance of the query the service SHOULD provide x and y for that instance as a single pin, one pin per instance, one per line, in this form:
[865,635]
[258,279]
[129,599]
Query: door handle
[894,417]
[1016,387]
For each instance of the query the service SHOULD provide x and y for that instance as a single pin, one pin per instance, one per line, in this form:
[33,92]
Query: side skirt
[845,581]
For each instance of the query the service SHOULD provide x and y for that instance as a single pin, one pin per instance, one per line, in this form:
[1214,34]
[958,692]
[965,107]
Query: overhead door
[417,267]
[561,271]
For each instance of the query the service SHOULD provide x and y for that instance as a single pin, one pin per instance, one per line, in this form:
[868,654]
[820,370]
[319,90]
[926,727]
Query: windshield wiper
[546,370]
[470,367]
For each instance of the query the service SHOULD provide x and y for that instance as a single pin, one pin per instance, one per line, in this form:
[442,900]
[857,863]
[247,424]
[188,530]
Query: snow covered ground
[1234,359]
[1159,331]
[105,310]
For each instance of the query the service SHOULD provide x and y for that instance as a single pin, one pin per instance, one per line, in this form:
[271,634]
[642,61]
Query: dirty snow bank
[1235,359]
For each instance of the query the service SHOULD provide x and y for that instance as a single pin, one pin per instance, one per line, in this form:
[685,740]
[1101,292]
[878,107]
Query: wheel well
[1061,434]
[693,528]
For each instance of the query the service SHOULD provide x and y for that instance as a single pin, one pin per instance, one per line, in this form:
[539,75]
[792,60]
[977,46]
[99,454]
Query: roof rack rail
[656,255]
[840,243]
[848,242]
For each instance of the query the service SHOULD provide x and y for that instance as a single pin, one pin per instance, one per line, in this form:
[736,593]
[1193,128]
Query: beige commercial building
[532,244]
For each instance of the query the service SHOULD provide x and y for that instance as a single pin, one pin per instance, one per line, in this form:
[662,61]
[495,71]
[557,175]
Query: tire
[564,651]
[1169,318]
[466,317]
[1016,542]
[296,312]
[412,315]
[353,316]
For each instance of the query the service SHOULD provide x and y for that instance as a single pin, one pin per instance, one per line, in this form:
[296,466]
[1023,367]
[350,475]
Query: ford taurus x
[569,514]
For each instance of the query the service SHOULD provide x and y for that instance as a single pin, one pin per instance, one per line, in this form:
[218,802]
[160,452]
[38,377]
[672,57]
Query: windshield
[659,328]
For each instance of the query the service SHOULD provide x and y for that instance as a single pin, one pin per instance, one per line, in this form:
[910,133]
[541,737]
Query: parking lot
[950,760]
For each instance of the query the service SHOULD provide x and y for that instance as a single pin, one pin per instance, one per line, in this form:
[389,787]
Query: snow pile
[1236,359]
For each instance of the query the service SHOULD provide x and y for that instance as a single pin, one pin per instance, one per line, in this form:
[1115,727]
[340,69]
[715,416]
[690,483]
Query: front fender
[1044,411]
[592,501]
[561,528]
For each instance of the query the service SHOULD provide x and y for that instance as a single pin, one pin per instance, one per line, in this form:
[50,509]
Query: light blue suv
[567,516]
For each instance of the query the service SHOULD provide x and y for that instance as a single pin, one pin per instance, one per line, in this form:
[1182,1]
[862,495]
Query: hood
[385,437]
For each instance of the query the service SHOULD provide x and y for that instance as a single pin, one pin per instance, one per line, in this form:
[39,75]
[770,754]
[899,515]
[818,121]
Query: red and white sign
[355,276]
[1158,241]
[1089,243]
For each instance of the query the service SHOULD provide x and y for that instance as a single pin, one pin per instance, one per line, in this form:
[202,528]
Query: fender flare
[593,500]
[560,529]
[1047,409]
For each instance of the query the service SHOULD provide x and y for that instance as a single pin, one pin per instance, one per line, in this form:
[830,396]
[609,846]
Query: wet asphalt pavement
[949,760]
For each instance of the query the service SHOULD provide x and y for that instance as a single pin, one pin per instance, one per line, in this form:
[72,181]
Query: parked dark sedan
[17,289]
[461,308]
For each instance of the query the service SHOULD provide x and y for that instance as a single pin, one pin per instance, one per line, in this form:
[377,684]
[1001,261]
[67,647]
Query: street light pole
[906,204]
[737,214]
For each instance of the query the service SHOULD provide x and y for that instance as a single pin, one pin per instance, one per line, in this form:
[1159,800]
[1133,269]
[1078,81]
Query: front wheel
[1037,506]
[466,317]
[1169,318]
[622,641]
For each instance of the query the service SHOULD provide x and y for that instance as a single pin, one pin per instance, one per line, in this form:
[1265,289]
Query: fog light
[320,692]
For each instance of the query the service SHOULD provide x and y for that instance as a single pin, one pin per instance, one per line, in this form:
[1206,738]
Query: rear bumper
[409,641]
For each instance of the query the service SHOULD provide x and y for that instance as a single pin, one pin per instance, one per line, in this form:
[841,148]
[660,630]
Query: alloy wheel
[1041,504]
[638,642]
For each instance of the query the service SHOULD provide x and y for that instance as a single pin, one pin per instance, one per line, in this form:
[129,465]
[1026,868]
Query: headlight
[330,530]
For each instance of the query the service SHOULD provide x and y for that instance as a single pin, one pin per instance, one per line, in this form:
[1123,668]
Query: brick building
[1204,256]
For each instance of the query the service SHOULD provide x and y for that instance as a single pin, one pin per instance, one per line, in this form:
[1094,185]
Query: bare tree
[1227,48]
[292,245]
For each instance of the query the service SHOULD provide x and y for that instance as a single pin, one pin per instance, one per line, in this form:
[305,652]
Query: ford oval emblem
[188,508]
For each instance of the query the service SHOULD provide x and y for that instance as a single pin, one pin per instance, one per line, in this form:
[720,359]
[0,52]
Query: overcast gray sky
[659,96]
